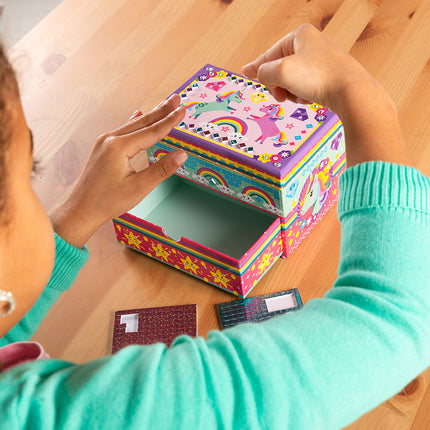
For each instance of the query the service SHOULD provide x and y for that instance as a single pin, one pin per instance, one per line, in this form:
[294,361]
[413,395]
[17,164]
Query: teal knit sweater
[319,368]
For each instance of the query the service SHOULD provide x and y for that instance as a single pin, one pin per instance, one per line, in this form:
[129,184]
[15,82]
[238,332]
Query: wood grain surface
[89,65]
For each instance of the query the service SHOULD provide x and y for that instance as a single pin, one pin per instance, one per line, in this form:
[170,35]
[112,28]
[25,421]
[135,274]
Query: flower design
[246,198]
[322,111]
[320,118]
[203,78]
[264,158]
[222,74]
[189,265]
[132,239]
[265,262]
[315,106]
[275,158]
[219,278]
[153,159]
[161,252]
[285,154]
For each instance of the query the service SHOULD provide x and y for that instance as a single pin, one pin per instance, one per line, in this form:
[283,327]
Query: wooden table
[89,65]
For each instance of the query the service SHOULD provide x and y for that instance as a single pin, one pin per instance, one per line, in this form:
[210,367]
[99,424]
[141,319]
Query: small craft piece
[152,325]
[259,308]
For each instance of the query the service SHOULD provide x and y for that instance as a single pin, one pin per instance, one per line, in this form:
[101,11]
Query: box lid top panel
[239,119]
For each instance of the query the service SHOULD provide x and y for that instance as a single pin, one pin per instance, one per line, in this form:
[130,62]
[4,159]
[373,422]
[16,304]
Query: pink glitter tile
[152,325]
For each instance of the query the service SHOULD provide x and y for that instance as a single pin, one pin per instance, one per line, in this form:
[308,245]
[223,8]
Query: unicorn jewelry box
[259,176]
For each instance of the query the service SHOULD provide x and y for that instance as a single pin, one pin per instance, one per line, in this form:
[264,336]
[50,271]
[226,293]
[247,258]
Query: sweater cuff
[378,184]
[68,262]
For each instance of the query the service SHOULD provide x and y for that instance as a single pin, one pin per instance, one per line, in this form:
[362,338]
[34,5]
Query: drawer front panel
[197,264]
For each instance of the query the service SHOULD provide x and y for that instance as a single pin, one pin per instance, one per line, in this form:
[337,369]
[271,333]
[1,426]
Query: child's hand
[306,65]
[109,186]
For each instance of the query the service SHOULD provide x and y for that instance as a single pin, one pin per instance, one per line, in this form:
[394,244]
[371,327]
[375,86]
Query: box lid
[237,118]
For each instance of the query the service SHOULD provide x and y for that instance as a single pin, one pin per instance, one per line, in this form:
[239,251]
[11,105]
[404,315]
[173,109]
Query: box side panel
[297,225]
[267,257]
[198,265]
[309,181]
[262,194]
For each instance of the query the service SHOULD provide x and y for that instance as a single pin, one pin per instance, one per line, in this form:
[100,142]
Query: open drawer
[219,240]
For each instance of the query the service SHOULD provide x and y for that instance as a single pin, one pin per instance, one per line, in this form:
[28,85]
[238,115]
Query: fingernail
[174,112]
[135,114]
[168,99]
[244,67]
[180,157]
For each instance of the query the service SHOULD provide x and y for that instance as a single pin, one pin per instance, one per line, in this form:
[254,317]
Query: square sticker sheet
[151,325]
[259,308]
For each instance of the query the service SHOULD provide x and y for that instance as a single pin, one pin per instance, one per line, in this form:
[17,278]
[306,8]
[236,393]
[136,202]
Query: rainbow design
[237,124]
[258,194]
[160,153]
[211,174]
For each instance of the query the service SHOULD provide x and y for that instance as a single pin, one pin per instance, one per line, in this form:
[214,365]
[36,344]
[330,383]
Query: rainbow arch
[238,125]
[258,194]
[209,173]
[160,153]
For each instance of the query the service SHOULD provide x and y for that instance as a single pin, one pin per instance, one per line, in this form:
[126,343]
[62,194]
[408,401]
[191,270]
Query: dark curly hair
[9,94]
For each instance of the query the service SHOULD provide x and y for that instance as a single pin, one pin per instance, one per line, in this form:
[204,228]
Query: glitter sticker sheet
[259,308]
[151,325]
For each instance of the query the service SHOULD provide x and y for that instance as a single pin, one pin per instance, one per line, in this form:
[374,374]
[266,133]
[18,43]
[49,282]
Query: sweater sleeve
[68,262]
[319,368]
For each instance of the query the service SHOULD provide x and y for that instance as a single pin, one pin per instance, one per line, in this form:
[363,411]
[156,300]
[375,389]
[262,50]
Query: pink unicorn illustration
[267,124]
[315,192]
[221,103]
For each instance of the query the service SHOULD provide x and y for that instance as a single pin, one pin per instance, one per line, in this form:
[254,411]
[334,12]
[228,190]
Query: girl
[320,368]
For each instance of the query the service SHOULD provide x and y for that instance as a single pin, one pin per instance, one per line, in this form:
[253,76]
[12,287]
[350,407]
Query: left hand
[108,185]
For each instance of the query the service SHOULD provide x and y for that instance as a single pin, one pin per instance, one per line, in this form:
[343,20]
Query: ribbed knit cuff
[379,184]
[68,262]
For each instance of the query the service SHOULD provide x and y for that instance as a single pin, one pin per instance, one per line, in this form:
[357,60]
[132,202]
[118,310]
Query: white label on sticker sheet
[279,303]
[131,322]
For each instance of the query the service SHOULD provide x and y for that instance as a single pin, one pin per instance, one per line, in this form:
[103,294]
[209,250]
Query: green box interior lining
[184,209]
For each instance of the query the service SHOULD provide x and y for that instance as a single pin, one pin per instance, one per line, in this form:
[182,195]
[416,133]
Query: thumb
[153,175]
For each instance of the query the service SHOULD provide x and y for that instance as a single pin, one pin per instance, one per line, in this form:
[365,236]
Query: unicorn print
[222,103]
[267,124]
[315,192]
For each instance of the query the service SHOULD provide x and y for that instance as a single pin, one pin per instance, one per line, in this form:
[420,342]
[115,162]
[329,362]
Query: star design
[264,262]
[132,239]
[225,129]
[246,108]
[203,95]
[161,252]
[219,278]
[289,126]
[189,265]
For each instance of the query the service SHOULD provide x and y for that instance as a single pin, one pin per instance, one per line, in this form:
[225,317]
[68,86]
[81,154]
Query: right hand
[306,65]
